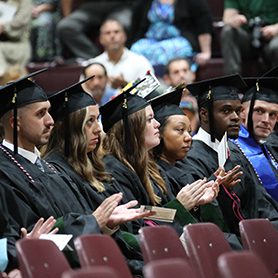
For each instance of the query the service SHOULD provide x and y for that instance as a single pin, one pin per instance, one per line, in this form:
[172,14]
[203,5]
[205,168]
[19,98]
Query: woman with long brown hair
[131,133]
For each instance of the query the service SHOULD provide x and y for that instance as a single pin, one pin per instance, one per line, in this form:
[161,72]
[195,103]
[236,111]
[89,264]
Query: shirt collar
[31,156]
[204,136]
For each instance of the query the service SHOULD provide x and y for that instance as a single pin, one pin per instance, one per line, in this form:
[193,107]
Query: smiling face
[34,125]
[226,118]
[265,115]
[176,138]
[92,128]
[151,133]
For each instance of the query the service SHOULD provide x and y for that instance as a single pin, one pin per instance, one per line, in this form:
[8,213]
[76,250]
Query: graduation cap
[272,72]
[263,88]
[67,101]
[19,93]
[222,88]
[120,107]
[167,104]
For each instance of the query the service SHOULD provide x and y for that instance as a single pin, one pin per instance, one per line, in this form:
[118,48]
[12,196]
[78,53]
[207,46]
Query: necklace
[21,167]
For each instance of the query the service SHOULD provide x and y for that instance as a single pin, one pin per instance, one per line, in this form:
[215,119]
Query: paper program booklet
[161,214]
[61,240]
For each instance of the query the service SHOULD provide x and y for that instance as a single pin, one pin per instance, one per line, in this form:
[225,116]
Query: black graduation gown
[178,178]
[203,162]
[133,189]
[8,227]
[264,206]
[94,199]
[272,143]
[44,194]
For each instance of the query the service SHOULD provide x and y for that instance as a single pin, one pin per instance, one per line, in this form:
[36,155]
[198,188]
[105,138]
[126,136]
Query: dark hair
[176,60]
[91,64]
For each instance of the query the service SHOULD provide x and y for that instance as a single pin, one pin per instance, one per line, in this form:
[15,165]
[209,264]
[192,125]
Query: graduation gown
[264,206]
[203,162]
[43,194]
[133,189]
[261,160]
[179,178]
[8,227]
[93,197]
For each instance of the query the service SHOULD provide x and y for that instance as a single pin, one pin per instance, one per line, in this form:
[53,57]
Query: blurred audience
[165,29]
[75,28]
[45,15]
[122,65]
[250,31]
[179,71]
[98,85]
[15,48]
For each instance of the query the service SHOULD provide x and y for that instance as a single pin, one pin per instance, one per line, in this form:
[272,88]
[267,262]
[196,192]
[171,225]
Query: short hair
[176,60]
[111,19]
[91,64]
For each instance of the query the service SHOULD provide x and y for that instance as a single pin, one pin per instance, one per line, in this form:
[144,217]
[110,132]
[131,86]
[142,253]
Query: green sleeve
[182,216]
[233,4]
[212,213]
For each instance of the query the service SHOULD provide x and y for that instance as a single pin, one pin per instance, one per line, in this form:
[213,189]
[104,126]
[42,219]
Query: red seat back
[40,258]
[101,250]
[260,237]
[205,242]
[160,242]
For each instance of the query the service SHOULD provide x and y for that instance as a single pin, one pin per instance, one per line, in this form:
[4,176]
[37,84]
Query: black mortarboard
[272,72]
[167,104]
[264,88]
[67,101]
[19,93]
[23,91]
[222,88]
[119,108]
[125,103]
[75,97]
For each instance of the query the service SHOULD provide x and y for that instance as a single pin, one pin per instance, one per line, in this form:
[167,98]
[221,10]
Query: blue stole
[3,254]
[262,162]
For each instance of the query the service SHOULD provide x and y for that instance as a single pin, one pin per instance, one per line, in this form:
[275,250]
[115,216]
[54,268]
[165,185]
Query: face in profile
[226,118]
[151,133]
[176,138]
[92,128]
[34,125]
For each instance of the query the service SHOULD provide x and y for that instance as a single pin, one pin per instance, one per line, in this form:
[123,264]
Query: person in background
[45,15]
[250,31]
[165,29]
[75,28]
[122,65]
[15,47]
[179,71]
[98,86]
